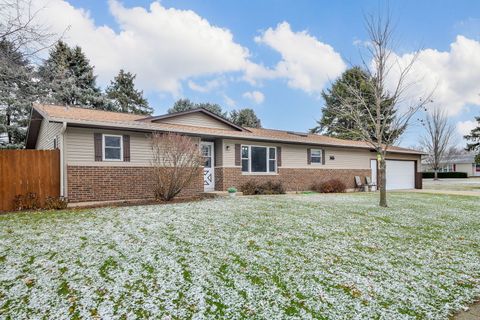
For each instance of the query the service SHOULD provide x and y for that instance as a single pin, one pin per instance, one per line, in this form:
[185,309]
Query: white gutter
[62,159]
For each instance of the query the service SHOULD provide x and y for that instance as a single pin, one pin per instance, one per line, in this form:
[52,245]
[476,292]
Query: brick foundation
[292,179]
[100,183]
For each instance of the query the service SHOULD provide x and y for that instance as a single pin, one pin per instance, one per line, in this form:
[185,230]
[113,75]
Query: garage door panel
[400,174]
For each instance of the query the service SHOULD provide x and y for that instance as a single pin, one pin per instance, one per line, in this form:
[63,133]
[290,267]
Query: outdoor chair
[370,184]
[358,184]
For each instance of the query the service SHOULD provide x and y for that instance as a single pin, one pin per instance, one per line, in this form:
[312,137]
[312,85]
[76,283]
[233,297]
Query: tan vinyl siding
[48,131]
[196,119]
[295,156]
[80,148]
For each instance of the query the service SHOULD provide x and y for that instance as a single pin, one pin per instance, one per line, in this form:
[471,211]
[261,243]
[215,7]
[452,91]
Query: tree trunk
[435,175]
[382,179]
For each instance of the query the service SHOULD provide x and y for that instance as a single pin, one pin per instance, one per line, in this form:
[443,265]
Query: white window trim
[250,172]
[121,147]
[321,155]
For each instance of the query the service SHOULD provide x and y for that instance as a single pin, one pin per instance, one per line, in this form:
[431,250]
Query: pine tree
[474,136]
[68,78]
[124,97]
[245,118]
[331,123]
[185,105]
[17,92]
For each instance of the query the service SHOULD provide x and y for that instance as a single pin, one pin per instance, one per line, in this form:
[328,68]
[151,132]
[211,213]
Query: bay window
[259,159]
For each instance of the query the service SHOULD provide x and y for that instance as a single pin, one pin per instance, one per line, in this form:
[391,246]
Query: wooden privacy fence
[25,171]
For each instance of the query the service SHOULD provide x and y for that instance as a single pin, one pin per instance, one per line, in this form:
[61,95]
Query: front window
[316,156]
[112,147]
[447,168]
[259,159]
[477,167]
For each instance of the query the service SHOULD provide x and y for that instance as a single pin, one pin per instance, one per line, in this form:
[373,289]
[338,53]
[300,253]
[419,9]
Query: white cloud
[208,86]
[465,127]
[306,63]
[229,101]
[163,46]
[255,96]
[453,74]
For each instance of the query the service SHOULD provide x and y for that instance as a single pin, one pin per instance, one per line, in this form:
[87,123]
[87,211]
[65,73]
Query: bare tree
[381,125]
[436,141]
[20,26]
[177,163]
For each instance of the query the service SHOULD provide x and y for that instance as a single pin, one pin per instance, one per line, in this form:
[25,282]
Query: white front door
[208,167]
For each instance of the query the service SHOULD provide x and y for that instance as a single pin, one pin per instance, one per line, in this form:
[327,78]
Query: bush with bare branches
[177,163]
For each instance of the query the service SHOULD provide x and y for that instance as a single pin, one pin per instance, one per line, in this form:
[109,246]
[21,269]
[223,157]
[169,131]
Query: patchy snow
[294,256]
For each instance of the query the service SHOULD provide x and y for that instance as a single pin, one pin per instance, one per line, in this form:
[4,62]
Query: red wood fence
[28,171]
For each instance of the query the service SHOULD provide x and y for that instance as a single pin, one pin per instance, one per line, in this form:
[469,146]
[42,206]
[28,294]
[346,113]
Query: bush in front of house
[329,186]
[445,175]
[253,187]
[27,201]
[56,203]
[177,162]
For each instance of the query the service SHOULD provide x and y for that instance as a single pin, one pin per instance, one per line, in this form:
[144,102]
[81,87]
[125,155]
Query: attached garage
[400,174]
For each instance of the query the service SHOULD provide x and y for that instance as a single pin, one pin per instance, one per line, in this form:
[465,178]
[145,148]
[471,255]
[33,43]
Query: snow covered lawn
[293,256]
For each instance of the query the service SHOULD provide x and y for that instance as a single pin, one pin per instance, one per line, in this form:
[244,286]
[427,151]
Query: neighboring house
[107,155]
[457,163]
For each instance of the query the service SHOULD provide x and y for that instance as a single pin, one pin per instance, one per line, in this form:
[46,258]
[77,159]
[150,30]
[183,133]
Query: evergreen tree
[181,105]
[68,78]
[474,136]
[185,105]
[333,124]
[124,97]
[17,92]
[245,118]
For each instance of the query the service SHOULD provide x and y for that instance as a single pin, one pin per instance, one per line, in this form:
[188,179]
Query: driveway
[466,187]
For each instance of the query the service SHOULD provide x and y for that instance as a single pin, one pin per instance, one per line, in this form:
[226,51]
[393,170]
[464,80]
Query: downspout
[62,159]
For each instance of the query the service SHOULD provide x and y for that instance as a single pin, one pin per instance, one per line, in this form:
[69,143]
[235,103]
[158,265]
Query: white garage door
[400,174]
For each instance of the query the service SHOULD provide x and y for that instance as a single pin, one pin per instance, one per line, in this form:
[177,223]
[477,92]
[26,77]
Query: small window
[245,157]
[55,143]
[112,147]
[272,159]
[316,156]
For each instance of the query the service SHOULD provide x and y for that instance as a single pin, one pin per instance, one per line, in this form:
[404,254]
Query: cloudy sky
[273,56]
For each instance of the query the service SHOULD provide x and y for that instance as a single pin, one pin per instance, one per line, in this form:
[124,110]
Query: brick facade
[292,179]
[102,183]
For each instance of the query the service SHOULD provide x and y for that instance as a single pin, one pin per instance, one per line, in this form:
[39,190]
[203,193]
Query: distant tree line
[66,77]
[245,117]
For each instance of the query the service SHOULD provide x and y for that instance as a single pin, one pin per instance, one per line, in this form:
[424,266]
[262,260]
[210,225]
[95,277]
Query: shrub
[444,175]
[28,201]
[270,187]
[250,187]
[56,203]
[232,190]
[176,164]
[329,186]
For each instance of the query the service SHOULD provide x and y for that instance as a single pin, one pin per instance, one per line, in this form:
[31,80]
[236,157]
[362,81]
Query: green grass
[294,256]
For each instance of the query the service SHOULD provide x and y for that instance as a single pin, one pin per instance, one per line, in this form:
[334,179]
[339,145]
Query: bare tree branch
[437,140]
[389,83]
